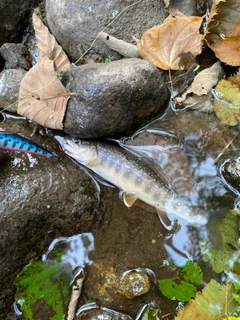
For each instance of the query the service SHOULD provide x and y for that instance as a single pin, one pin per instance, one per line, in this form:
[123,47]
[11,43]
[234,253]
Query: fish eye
[77,141]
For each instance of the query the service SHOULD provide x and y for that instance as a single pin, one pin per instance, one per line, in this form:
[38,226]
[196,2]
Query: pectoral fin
[166,222]
[129,198]
[93,163]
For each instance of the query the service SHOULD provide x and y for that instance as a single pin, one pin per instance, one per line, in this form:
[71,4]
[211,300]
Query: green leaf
[223,259]
[181,287]
[43,290]
[213,303]
[150,314]
[236,295]
[193,272]
[181,292]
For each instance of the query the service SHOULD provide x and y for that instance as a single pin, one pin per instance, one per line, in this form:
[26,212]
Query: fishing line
[80,58]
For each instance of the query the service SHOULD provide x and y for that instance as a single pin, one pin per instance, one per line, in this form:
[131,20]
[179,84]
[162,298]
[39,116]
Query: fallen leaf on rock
[211,304]
[43,98]
[48,46]
[223,31]
[166,45]
[198,95]
[227,100]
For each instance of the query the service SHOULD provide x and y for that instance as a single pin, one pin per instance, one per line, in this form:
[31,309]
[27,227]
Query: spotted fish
[134,177]
[14,142]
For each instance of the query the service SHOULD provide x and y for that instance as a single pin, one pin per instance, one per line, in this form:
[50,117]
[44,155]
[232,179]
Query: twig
[225,148]
[76,292]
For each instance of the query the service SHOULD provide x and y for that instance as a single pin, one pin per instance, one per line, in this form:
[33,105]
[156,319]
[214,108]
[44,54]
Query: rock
[75,23]
[10,80]
[114,98]
[134,283]
[15,55]
[229,171]
[40,200]
[14,18]
[108,283]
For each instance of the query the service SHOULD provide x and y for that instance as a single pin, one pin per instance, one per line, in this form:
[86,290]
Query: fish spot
[148,188]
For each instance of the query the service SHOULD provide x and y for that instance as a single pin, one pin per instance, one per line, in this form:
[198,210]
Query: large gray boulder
[76,23]
[113,98]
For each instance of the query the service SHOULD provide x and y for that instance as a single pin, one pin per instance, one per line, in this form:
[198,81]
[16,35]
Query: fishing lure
[14,142]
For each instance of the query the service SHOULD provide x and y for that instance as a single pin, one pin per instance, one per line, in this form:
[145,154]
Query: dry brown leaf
[223,31]
[203,82]
[165,44]
[48,46]
[202,103]
[43,98]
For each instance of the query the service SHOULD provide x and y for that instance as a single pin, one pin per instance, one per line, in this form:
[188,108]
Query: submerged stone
[134,283]
[229,171]
[113,98]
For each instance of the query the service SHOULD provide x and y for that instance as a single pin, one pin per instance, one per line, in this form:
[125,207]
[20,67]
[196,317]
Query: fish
[14,142]
[134,177]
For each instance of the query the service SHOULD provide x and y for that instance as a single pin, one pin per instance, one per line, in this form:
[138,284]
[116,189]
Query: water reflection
[94,312]
[72,250]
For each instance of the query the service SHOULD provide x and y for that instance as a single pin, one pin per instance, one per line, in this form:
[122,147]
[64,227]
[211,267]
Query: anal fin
[166,222]
[129,198]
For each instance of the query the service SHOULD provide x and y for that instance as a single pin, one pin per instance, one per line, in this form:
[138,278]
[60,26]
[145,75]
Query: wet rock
[15,55]
[10,80]
[229,170]
[110,284]
[113,98]
[14,18]
[75,24]
[41,199]
[134,283]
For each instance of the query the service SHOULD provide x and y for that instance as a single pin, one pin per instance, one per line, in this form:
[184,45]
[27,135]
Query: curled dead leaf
[165,44]
[223,31]
[201,103]
[48,46]
[42,96]
[198,95]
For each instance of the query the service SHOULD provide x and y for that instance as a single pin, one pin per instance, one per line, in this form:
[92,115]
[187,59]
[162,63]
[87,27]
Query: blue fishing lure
[14,142]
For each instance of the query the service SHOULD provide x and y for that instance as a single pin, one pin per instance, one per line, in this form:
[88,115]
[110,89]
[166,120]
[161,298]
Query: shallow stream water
[134,238]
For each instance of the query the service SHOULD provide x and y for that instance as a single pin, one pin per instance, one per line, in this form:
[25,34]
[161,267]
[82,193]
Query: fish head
[82,151]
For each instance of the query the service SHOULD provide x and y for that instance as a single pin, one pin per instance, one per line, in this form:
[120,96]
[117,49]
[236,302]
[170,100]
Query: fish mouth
[68,145]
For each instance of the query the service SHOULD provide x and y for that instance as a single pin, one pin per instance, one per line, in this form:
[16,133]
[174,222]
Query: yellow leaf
[211,304]
[223,31]
[227,100]
[43,98]
[165,45]
[48,46]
